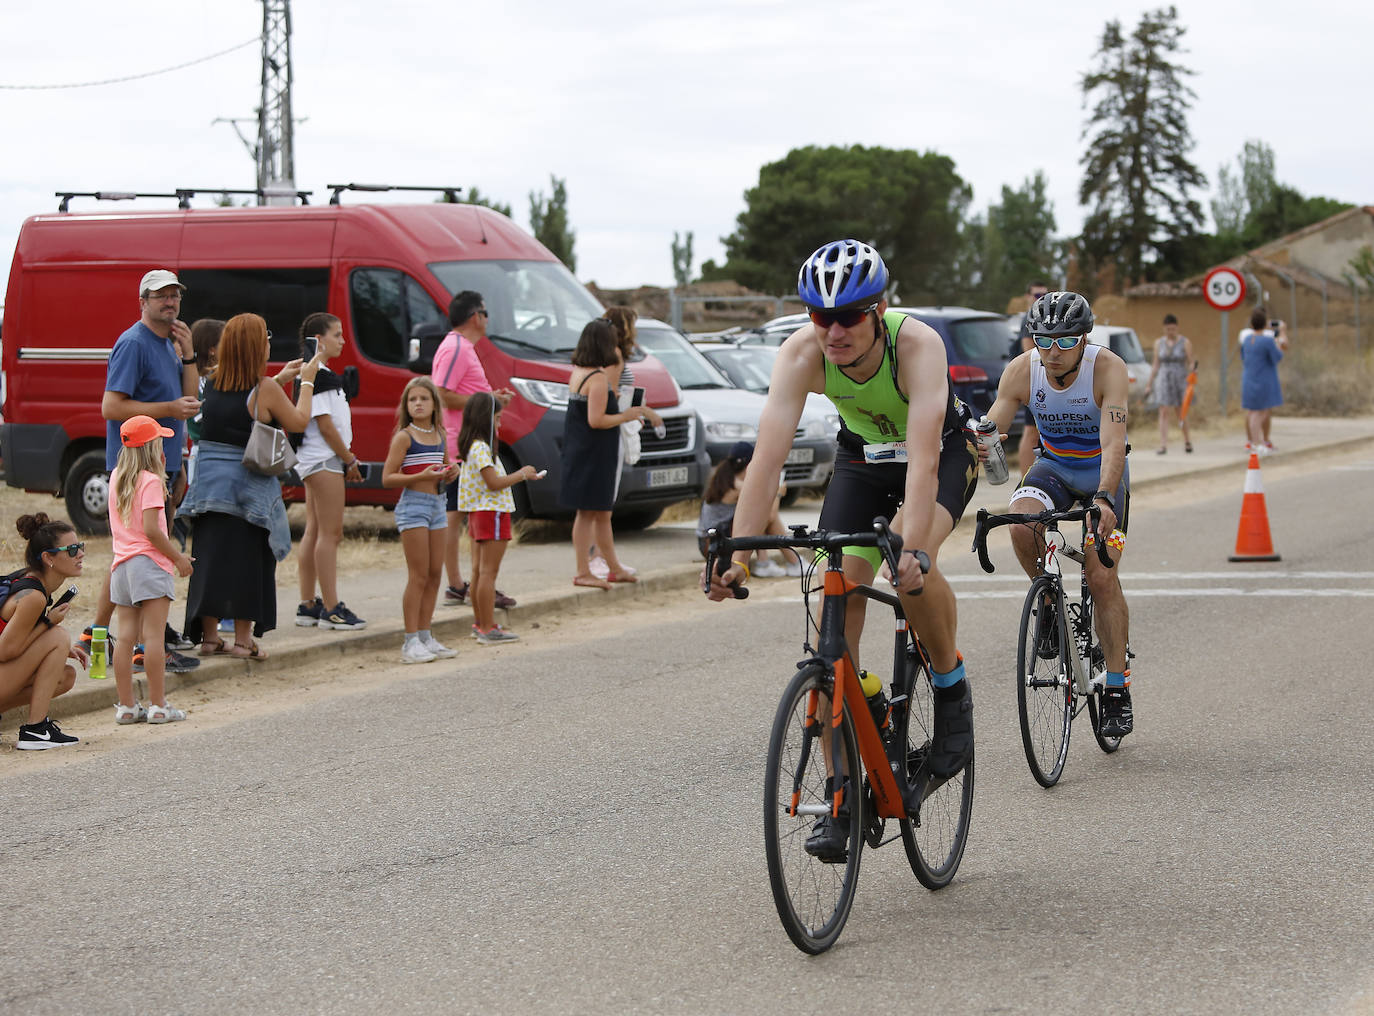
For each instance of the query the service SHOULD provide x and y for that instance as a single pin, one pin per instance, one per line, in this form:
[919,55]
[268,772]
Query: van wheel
[790,498]
[87,493]
[637,518]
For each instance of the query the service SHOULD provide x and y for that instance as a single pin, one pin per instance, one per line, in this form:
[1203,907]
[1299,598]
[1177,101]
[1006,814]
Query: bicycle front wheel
[812,889]
[935,839]
[1044,681]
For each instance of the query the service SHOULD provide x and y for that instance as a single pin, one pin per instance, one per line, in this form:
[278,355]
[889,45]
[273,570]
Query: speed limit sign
[1224,288]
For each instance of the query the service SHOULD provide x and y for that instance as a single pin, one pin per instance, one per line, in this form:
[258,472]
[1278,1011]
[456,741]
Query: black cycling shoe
[1046,633]
[1117,719]
[829,839]
[951,745]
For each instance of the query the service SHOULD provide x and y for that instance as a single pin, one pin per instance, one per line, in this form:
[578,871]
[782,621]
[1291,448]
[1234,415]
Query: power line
[135,77]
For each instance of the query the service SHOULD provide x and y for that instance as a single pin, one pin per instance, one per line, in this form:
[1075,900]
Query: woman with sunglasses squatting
[36,652]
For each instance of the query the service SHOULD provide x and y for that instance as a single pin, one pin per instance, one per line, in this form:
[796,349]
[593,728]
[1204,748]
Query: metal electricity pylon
[274,150]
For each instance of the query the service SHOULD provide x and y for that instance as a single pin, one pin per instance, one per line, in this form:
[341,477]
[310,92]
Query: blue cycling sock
[947,680]
[1115,680]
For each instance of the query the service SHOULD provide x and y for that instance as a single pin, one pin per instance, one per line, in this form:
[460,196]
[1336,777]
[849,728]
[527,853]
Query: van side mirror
[424,342]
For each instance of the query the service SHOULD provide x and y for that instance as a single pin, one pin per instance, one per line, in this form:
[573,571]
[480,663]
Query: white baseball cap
[158,278]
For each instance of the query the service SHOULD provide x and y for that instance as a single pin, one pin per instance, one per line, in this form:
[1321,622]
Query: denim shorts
[418,510]
[139,579]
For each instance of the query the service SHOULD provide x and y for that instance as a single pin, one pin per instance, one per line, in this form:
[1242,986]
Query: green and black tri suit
[875,412]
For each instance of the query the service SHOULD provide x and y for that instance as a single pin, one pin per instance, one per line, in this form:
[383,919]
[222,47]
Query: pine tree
[549,222]
[1137,175]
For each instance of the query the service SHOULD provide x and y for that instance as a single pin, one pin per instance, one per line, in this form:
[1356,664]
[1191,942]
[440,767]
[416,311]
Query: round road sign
[1224,288]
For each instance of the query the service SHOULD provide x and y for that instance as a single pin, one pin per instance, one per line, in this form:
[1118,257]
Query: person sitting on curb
[35,650]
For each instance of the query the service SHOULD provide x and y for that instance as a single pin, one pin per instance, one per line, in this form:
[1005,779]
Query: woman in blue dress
[1261,349]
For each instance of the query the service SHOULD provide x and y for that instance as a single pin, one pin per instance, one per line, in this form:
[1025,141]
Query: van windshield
[533,304]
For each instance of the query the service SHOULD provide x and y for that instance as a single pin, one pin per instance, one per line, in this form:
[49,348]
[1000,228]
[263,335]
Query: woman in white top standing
[325,462]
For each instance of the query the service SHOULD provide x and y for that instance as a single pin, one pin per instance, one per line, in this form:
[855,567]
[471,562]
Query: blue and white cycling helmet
[841,274]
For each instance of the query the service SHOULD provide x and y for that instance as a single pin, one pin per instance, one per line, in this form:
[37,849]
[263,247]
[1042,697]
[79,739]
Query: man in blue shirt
[152,372]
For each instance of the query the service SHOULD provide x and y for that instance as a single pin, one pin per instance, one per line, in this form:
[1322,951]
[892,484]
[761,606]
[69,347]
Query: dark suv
[976,346]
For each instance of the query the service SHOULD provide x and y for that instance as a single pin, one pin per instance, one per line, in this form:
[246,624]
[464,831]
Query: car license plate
[797,456]
[674,476]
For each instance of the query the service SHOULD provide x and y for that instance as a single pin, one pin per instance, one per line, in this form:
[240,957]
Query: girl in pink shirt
[142,586]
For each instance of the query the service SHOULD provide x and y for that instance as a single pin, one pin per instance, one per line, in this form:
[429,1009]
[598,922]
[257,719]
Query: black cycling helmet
[1057,314]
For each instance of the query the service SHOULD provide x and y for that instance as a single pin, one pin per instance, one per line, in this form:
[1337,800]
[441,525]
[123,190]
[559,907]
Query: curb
[89,696]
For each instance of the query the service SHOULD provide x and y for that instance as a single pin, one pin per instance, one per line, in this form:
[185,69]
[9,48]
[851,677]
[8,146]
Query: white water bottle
[996,464]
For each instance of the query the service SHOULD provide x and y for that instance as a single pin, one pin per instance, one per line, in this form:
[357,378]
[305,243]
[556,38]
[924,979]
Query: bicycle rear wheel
[813,896]
[1044,681]
[935,840]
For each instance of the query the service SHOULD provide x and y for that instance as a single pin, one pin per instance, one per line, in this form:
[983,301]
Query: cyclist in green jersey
[903,452]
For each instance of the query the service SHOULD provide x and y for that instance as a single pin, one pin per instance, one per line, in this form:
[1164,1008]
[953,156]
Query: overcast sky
[658,115]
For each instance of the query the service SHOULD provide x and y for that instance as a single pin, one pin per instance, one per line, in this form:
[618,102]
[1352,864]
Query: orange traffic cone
[1252,539]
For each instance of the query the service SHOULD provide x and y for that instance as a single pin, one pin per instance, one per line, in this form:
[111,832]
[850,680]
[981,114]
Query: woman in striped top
[418,463]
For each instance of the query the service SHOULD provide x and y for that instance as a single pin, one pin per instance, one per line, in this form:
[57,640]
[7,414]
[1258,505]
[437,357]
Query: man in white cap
[152,372]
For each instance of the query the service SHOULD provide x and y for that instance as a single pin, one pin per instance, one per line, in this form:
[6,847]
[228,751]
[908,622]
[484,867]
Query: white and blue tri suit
[1068,467]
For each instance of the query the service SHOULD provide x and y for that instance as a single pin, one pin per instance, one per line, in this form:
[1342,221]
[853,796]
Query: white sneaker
[165,714]
[130,714]
[792,569]
[414,651]
[768,569]
[439,650]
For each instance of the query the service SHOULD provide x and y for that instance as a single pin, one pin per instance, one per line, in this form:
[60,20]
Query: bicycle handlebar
[889,544]
[988,522]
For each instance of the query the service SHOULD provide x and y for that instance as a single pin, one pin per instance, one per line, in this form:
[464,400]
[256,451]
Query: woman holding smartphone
[325,463]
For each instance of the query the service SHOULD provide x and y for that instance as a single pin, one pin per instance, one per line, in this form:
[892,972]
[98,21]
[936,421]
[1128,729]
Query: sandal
[621,577]
[591,581]
[248,652]
[219,648]
[1188,447]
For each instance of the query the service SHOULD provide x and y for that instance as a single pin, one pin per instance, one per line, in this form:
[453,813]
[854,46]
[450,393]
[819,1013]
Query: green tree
[476,197]
[1137,175]
[1362,264]
[549,222]
[909,205]
[682,260]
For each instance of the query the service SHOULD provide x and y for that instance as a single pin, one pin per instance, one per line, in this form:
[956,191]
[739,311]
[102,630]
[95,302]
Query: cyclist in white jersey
[1077,393]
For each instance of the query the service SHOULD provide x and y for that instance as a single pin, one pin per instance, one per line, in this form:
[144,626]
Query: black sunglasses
[843,318]
[72,549]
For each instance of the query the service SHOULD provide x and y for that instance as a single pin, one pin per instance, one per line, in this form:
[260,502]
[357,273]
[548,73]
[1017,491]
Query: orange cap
[137,431]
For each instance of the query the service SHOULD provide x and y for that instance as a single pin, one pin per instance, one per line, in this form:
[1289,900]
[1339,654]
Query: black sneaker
[829,839]
[179,664]
[340,618]
[1046,633]
[38,736]
[503,601]
[1117,720]
[951,743]
[456,594]
[175,640]
[308,614]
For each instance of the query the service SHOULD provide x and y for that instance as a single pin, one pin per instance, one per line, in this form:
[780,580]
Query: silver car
[730,413]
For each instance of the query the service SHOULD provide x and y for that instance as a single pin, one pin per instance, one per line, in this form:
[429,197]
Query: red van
[386,271]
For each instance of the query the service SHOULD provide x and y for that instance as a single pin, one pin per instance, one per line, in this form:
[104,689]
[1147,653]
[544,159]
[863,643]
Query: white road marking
[1133,593]
[1201,576]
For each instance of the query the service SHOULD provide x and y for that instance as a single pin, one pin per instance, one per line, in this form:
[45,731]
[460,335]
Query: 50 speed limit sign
[1224,288]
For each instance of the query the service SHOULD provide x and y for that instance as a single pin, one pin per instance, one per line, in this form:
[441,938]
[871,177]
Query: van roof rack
[182,194]
[450,193]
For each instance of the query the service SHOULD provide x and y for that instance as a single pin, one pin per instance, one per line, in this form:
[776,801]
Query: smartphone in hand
[312,346]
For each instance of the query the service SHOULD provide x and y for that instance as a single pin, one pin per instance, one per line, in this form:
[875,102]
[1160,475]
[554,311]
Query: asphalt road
[573,824]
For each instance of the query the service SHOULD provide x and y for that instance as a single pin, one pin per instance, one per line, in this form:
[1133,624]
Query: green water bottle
[99,647]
